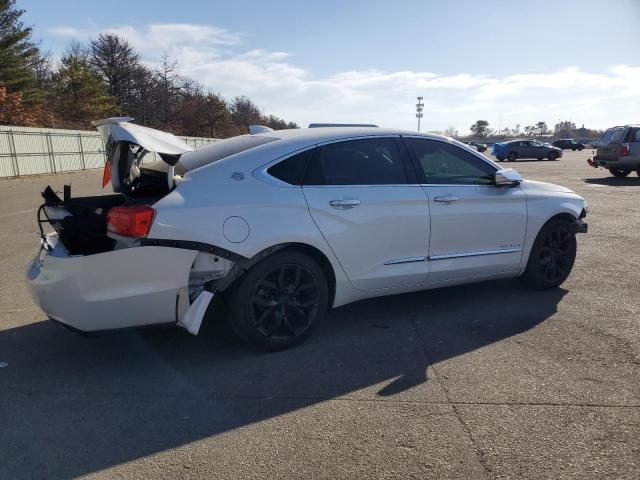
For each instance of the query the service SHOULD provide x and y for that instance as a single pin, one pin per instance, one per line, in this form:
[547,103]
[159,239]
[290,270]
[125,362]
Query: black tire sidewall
[532,276]
[240,293]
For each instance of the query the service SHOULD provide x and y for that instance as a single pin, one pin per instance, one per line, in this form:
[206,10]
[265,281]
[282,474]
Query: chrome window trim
[261,173]
[474,254]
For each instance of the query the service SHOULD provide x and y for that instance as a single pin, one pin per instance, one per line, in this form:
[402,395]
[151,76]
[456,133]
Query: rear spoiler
[165,144]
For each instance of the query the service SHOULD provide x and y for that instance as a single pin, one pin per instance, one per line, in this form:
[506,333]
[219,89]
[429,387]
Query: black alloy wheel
[556,256]
[285,302]
[552,256]
[278,302]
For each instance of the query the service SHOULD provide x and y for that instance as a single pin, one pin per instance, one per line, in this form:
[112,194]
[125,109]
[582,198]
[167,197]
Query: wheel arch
[242,266]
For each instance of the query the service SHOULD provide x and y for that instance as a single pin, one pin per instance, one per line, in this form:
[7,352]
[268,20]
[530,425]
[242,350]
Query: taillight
[106,174]
[624,149]
[132,221]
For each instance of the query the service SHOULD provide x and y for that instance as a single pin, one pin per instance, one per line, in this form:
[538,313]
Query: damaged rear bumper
[130,287]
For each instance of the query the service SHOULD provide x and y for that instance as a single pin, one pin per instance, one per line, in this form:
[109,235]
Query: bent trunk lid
[127,144]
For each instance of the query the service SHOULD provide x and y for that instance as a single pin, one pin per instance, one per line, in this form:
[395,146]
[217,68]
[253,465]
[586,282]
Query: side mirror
[508,176]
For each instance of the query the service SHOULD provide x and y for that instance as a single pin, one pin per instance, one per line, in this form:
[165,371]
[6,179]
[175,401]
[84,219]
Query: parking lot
[488,380]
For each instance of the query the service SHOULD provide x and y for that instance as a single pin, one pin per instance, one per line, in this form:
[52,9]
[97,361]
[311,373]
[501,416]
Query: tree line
[106,77]
[563,129]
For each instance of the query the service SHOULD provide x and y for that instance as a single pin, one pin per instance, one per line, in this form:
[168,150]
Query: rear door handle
[344,203]
[445,198]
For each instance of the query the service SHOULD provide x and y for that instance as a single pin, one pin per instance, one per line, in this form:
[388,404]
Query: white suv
[288,224]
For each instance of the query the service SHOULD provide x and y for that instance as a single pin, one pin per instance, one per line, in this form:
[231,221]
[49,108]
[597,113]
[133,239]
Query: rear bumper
[628,162]
[119,289]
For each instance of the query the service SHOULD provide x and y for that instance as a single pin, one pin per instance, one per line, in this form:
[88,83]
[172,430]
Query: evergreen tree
[79,96]
[18,54]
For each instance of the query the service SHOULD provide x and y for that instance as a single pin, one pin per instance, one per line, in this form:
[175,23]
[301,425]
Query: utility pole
[419,114]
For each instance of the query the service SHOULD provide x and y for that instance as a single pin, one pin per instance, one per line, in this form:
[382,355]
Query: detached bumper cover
[118,289]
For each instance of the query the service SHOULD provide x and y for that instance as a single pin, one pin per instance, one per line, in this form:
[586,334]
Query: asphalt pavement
[489,380]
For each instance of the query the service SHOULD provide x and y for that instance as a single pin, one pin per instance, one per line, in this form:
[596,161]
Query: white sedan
[288,224]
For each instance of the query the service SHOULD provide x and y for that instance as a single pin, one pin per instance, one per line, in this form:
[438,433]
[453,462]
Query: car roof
[279,143]
[326,134]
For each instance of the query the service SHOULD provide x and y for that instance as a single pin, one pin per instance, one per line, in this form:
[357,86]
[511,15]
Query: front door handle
[445,198]
[344,203]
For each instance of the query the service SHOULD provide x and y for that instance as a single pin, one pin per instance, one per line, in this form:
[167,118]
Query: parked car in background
[516,149]
[568,144]
[481,147]
[619,151]
[287,224]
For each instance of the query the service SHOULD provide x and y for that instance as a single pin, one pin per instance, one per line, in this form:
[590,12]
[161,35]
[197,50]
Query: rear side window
[291,170]
[635,136]
[372,161]
[612,135]
[445,163]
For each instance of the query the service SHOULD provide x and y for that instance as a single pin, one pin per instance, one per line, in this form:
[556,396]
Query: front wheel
[619,172]
[279,301]
[552,256]
[552,156]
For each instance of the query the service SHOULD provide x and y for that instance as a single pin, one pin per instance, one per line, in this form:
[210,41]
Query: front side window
[371,161]
[446,163]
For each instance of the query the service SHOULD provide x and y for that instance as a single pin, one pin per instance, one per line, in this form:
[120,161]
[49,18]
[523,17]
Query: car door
[477,228]
[373,217]
[538,150]
[525,149]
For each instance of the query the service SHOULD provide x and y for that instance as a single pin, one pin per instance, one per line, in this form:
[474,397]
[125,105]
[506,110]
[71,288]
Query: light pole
[419,114]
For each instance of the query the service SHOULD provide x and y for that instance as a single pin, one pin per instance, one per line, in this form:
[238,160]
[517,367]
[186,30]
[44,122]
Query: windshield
[612,135]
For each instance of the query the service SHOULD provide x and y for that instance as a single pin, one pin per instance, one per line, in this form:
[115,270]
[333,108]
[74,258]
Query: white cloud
[218,59]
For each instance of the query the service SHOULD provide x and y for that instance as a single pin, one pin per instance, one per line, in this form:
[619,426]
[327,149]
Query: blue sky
[362,61]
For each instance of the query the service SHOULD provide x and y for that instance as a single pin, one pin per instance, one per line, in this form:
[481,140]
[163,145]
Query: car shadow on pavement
[71,405]
[614,181]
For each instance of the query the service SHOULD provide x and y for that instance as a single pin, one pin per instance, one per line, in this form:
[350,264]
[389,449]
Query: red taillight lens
[624,149]
[130,221]
[106,174]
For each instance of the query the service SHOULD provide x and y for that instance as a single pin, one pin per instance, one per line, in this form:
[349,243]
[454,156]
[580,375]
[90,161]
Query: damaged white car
[288,224]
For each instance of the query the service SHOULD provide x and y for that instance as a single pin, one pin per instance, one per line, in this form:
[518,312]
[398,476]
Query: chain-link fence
[29,151]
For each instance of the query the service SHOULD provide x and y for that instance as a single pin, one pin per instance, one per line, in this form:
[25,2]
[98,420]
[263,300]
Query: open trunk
[81,222]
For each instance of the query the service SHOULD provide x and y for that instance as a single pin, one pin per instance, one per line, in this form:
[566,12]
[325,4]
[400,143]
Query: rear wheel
[278,302]
[552,256]
[619,172]
[552,156]
[512,156]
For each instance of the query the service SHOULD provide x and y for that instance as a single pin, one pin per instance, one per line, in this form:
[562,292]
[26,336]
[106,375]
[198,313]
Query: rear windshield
[222,149]
[612,135]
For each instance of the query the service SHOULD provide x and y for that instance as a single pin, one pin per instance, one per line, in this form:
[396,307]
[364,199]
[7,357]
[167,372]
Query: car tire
[279,301]
[619,172]
[552,256]
[500,159]
[512,156]
[638,172]
[539,158]
[552,156]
